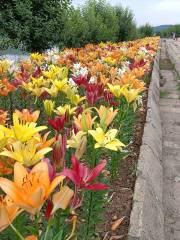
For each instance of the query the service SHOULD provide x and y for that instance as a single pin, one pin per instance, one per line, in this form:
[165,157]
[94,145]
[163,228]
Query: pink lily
[82,176]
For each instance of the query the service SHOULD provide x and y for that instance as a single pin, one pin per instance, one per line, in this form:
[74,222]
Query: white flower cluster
[78,70]
[124,68]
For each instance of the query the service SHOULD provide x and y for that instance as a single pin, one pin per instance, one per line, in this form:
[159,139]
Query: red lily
[80,80]
[82,176]
[57,123]
[137,64]
[94,92]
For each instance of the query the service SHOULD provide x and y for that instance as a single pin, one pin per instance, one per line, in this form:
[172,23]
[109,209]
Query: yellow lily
[56,72]
[22,131]
[53,91]
[110,60]
[130,94]
[49,107]
[60,84]
[116,90]
[30,190]
[106,116]
[61,110]
[8,212]
[3,140]
[75,98]
[106,140]
[37,57]
[26,153]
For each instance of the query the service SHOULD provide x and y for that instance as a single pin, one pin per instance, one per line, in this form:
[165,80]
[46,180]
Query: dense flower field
[66,119]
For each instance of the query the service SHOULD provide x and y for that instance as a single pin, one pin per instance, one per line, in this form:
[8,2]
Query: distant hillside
[161,27]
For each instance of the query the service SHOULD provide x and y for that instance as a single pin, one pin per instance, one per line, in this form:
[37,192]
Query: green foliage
[126,24]
[168,32]
[35,23]
[41,24]
[145,31]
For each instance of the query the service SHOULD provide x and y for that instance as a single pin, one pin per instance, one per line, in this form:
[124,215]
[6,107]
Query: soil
[121,196]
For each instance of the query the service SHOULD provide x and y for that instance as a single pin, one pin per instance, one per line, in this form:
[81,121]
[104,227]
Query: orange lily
[32,237]
[8,212]
[44,143]
[5,168]
[84,121]
[26,116]
[3,117]
[5,87]
[30,190]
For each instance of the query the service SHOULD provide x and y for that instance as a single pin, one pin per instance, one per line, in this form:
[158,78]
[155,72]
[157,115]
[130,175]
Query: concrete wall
[147,220]
[173,52]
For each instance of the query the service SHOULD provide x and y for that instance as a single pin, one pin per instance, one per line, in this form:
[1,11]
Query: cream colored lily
[79,142]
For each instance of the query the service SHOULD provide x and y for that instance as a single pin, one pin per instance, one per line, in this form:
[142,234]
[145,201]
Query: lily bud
[49,107]
[81,147]
[59,151]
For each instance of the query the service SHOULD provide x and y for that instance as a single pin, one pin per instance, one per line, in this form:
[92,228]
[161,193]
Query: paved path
[170,116]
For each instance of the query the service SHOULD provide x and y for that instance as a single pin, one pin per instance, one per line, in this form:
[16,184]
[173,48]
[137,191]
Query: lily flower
[131,95]
[3,117]
[61,110]
[8,212]
[27,116]
[5,87]
[60,84]
[82,176]
[43,142]
[94,92]
[59,151]
[84,121]
[6,166]
[26,153]
[57,123]
[62,199]
[79,142]
[49,107]
[31,237]
[31,189]
[22,131]
[53,91]
[106,116]
[116,90]
[107,140]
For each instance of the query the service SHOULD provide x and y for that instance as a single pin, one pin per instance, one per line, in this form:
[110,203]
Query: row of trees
[171,29]
[41,24]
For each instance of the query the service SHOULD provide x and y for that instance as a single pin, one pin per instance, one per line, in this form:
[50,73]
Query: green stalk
[48,228]
[17,232]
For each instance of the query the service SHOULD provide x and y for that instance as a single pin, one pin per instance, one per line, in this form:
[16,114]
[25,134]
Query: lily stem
[48,228]
[17,232]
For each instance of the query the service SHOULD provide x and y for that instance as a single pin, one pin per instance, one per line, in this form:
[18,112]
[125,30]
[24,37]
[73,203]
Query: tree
[35,23]
[146,31]
[126,24]
[101,20]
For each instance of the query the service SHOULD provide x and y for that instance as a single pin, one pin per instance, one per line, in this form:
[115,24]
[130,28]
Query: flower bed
[66,124]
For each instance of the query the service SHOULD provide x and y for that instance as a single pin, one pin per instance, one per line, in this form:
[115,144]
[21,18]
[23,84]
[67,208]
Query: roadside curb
[147,219]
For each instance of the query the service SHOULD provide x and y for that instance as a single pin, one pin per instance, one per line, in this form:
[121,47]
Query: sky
[154,12]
